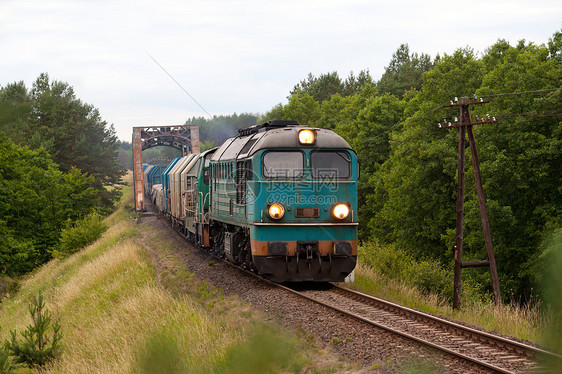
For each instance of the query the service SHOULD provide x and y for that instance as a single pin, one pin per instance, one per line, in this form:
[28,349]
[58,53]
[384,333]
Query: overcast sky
[236,56]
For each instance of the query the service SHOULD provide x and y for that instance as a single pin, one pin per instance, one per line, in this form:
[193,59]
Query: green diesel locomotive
[279,198]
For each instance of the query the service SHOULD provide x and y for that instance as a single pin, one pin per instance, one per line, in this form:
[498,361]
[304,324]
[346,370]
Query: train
[279,199]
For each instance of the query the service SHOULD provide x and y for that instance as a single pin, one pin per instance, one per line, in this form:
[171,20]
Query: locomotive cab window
[282,165]
[330,165]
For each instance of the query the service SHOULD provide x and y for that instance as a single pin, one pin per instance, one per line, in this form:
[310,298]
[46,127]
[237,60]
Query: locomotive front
[294,202]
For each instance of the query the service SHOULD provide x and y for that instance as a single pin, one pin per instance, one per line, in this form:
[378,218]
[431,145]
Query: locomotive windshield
[281,165]
[330,165]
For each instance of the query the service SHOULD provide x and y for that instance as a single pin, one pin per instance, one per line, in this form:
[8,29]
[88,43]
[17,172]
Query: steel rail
[498,340]
[402,334]
[501,341]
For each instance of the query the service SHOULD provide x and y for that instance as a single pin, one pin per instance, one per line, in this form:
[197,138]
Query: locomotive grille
[307,213]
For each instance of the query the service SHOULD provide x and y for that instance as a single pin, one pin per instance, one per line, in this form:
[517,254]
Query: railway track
[483,349]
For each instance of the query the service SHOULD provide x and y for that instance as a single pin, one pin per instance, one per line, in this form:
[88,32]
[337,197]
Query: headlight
[340,211]
[276,211]
[307,136]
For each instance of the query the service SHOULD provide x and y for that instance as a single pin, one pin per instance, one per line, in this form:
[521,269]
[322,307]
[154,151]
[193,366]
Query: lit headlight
[276,211]
[340,211]
[307,136]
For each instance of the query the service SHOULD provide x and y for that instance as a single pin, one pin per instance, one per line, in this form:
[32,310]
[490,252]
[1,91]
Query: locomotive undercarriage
[307,264]
[233,243]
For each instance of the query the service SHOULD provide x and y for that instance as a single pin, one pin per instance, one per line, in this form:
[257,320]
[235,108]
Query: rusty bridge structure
[182,137]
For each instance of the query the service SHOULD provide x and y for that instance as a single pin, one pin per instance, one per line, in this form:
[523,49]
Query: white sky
[236,56]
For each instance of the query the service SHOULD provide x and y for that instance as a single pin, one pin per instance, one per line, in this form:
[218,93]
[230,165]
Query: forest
[409,165]
[58,166]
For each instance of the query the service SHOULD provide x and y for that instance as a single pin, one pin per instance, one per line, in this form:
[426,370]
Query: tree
[354,84]
[36,201]
[303,108]
[404,72]
[220,128]
[37,348]
[415,187]
[521,158]
[50,116]
[407,190]
[323,87]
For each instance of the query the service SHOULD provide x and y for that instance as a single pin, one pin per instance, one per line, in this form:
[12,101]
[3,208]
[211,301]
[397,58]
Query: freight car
[279,198]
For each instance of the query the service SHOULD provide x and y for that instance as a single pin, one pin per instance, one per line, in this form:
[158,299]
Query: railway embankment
[127,303]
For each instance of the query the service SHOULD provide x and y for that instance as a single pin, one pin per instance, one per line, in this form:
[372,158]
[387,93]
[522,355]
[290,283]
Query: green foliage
[82,233]
[50,116]
[429,276]
[6,366]
[407,189]
[322,88]
[266,351]
[550,278]
[304,109]
[276,113]
[36,200]
[220,128]
[160,354]
[404,72]
[519,161]
[207,144]
[152,156]
[5,362]
[38,347]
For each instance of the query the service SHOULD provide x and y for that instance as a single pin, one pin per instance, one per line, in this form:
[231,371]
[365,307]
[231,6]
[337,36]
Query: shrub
[36,348]
[5,363]
[82,233]
[428,276]
[8,286]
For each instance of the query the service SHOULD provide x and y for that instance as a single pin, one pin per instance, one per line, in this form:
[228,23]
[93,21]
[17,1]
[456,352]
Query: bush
[428,276]
[5,363]
[82,233]
[8,287]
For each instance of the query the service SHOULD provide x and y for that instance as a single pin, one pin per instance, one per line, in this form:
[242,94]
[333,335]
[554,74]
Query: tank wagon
[279,198]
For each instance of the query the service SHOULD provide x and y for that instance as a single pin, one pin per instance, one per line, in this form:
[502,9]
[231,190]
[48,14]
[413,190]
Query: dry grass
[117,318]
[112,341]
[111,308]
[513,320]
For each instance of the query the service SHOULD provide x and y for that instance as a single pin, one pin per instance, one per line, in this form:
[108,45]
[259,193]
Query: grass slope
[117,317]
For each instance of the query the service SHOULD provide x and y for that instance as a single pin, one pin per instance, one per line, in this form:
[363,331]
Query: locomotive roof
[282,134]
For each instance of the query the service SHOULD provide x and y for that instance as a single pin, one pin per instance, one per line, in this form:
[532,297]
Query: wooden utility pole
[466,123]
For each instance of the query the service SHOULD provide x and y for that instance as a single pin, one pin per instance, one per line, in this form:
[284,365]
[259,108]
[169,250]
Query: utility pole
[467,124]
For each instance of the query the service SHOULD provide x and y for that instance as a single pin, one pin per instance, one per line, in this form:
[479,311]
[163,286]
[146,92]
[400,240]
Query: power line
[179,85]
[527,114]
[515,93]
[522,92]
